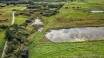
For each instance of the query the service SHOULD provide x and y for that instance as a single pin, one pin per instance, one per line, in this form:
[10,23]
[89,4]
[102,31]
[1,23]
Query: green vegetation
[6,12]
[72,14]
[20,19]
[2,41]
[76,15]
[17,40]
[43,48]
[68,50]
[5,19]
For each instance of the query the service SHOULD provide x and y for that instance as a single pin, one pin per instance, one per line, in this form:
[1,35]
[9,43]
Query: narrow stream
[76,34]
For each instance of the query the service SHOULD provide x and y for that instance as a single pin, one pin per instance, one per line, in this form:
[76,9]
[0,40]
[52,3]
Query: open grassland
[70,15]
[41,48]
[20,19]
[2,41]
[76,15]
[70,50]
[95,1]
[6,19]
[6,13]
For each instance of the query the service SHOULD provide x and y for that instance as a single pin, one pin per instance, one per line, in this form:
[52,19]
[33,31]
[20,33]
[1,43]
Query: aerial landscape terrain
[51,28]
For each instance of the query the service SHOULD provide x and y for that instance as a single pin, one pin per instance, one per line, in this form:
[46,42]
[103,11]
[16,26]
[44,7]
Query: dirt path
[5,46]
[13,18]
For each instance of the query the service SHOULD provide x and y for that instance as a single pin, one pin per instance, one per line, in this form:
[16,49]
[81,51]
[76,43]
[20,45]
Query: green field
[69,16]
[6,13]
[2,41]
[20,19]
[68,50]
[43,48]
[75,14]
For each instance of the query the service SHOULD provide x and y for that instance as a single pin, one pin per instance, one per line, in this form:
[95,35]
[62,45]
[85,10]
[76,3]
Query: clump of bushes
[17,41]
[45,9]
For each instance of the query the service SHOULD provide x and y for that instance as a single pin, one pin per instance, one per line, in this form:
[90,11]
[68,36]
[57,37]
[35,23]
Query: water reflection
[76,34]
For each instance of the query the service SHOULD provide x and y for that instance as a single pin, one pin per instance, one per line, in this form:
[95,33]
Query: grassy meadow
[6,13]
[74,14]
[92,49]
[2,40]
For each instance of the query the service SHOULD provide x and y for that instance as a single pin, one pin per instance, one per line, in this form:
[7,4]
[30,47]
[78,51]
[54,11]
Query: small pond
[94,11]
[76,34]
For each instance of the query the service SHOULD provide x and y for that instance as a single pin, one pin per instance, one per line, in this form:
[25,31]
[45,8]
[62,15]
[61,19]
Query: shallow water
[76,34]
[97,11]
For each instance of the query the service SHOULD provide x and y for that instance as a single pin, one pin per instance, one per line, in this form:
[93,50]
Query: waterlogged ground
[76,34]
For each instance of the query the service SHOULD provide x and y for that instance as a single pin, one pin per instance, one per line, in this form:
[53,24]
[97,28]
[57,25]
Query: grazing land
[76,14]
[70,15]
[2,41]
